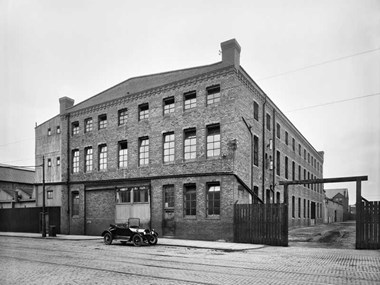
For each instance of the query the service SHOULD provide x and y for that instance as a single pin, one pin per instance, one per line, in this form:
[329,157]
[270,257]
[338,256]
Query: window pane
[190,200]
[213,141]
[168,147]
[75,161]
[213,95]
[103,157]
[123,116]
[144,151]
[143,112]
[190,100]
[213,196]
[190,149]
[88,160]
[169,196]
[169,105]
[123,154]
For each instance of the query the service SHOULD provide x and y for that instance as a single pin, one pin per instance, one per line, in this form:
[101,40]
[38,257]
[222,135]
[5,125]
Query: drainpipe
[274,152]
[263,143]
[68,172]
[251,165]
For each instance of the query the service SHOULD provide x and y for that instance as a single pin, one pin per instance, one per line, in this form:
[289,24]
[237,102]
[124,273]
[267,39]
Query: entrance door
[168,223]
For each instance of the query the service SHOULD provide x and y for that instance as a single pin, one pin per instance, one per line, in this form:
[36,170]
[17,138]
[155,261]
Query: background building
[176,149]
[340,196]
[16,187]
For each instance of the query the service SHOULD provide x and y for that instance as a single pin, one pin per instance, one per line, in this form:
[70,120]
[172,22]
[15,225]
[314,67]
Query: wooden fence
[368,225]
[28,219]
[261,224]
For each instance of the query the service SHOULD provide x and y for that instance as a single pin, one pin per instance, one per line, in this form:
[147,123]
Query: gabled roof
[331,193]
[141,83]
[14,174]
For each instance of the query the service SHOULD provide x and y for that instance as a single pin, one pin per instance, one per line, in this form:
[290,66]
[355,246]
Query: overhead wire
[333,102]
[318,64]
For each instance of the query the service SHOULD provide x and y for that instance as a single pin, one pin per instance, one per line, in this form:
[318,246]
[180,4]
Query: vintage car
[130,232]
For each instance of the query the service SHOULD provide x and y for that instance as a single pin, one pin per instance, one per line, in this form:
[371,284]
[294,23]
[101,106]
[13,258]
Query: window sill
[190,217]
[215,217]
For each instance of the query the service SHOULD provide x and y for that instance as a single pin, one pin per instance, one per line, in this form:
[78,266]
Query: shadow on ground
[336,235]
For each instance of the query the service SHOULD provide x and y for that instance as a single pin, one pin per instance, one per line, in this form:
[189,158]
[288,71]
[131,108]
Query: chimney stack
[231,53]
[64,104]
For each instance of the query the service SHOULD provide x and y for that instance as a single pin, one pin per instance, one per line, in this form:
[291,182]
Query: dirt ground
[335,235]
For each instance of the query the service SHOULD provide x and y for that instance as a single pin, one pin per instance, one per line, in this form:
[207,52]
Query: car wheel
[107,239]
[152,240]
[137,240]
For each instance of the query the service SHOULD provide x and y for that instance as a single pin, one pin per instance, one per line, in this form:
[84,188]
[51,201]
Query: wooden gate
[368,225]
[261,224]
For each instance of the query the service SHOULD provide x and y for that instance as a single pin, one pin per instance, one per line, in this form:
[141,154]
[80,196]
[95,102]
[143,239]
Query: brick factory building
[176,149]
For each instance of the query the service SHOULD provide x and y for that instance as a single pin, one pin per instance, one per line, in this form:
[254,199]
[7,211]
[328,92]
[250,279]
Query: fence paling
[260,223]
[368,225]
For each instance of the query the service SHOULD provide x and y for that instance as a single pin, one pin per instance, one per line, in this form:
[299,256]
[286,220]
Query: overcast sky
[319,61]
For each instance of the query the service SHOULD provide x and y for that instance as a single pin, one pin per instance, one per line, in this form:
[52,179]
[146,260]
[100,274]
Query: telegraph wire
[333,102]
[318,64]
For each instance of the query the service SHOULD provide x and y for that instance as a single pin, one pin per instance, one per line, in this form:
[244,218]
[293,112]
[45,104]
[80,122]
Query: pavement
[215,245]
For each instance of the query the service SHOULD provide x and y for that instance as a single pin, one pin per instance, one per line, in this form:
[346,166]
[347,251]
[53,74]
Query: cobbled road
[48,261]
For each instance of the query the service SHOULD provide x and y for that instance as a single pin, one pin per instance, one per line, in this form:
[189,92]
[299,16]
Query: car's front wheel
[108,238]
[152,240]
[137,240]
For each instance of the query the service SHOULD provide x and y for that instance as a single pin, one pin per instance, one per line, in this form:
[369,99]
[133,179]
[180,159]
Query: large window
[138,194]
[293,171]
[286,167]
[255,111]
[168,147]
[256,150]
[102,121]
[293,207]
[122,117]
[75,128]
[278,128]
[286,138]
[75,161]
[88,125]
[190,100]
[123,154]
[190,144]
[278,164]
[103,157]
[169,196]
[190,200]
[293,144]
[74,203]
[299,207]
[123,195]
[213,140]
[143,111]
[299,172]
[143,151]
[88,166]
[213,94]
[213,199]
[169,105]
[268,122]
